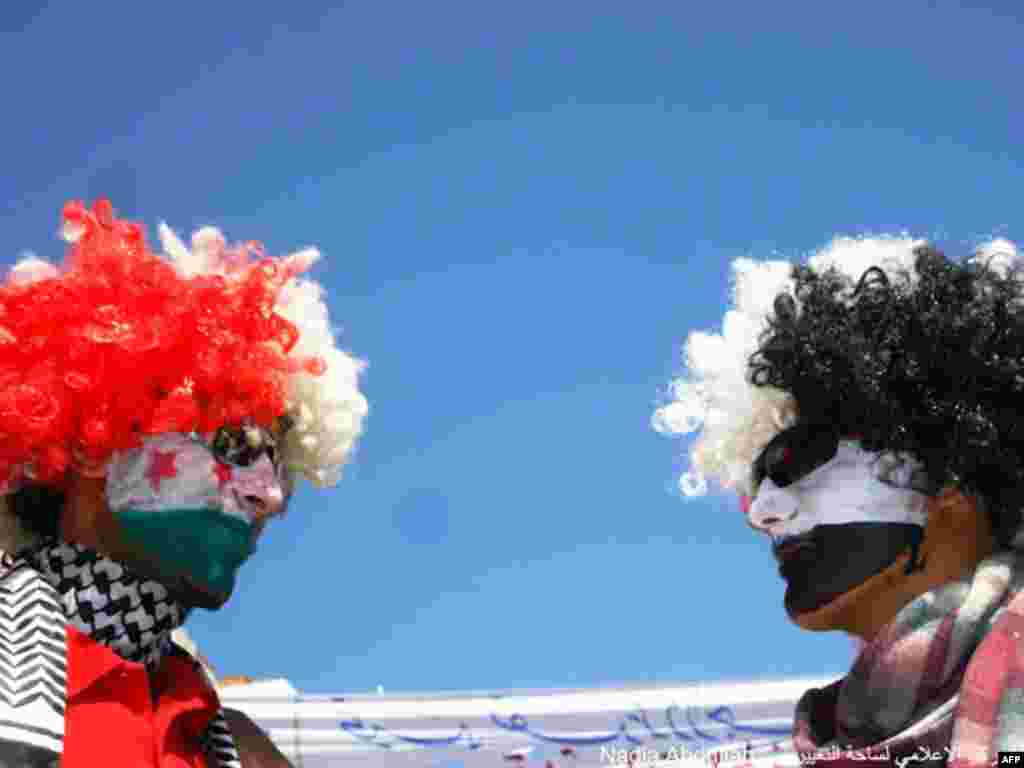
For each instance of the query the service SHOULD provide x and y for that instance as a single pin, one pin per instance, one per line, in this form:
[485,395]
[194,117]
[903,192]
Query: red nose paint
[745,502]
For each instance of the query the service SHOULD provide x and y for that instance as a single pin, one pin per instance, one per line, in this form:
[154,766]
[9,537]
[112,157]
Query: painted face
[837,514]
[194,505]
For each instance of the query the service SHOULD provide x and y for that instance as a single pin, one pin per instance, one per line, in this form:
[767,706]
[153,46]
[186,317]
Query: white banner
[724,724]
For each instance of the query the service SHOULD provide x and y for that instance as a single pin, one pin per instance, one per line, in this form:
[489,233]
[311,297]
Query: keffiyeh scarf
[943,682]
[55,584]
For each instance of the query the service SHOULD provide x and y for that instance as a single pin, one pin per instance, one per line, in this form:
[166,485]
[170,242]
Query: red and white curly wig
[119,343]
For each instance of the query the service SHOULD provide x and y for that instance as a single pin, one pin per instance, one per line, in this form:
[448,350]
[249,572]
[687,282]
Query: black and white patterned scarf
[55,584]
[102,599]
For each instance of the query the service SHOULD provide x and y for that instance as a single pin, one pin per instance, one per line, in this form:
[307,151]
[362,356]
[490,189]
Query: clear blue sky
[524,208]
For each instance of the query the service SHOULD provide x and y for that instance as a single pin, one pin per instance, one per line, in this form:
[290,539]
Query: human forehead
[276,429]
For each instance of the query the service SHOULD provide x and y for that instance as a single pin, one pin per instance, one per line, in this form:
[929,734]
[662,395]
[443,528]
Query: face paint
[838,524]
[794,453]
[854,486]
[193,517]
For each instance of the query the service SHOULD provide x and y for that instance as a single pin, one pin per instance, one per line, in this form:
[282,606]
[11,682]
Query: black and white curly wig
[885,339]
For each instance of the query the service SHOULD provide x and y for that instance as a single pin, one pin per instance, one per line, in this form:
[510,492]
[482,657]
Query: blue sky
[524,208]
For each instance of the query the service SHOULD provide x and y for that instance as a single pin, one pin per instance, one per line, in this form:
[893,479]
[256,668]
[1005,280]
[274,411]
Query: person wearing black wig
[865,408]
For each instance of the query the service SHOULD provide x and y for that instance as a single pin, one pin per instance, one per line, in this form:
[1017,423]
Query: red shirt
[111,719]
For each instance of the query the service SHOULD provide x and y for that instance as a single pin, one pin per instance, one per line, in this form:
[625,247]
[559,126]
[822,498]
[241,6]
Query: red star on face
[223,473]
[161,466]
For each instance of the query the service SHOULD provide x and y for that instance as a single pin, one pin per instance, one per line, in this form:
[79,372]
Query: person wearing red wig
[156,412]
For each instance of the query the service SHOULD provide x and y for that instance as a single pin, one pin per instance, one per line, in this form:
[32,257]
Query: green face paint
[204,546]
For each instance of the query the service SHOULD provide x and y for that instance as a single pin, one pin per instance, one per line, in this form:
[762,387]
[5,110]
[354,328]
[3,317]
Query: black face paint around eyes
[794,453]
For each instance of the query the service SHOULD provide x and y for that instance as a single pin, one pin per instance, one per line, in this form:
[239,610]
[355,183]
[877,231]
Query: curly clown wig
[885,340]
[119,343]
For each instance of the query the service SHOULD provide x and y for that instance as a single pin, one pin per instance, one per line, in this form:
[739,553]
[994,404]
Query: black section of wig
[930,364]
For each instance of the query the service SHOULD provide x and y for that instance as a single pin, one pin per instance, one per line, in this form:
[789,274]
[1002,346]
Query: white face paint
[847,489]
[176,471]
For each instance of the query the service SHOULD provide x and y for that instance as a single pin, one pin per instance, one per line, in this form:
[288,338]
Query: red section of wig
[118,346]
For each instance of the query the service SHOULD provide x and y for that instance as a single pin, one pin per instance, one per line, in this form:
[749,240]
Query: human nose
[261,504]
[772,509]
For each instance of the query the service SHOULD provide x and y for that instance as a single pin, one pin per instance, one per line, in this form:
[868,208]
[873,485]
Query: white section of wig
[715,396]
[853,256]
[30,269]
[329,410]
[999,255]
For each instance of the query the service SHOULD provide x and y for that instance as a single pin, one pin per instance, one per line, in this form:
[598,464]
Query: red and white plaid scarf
[943,681]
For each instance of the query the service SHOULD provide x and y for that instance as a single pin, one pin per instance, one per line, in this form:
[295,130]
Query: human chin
[832,561]
[167,502]
[195,553]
